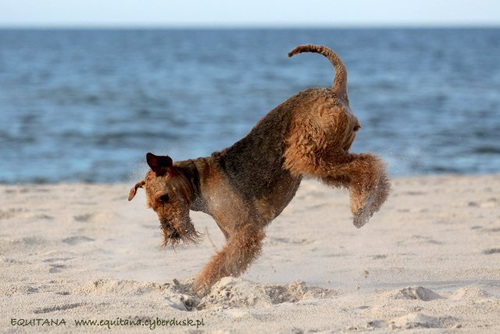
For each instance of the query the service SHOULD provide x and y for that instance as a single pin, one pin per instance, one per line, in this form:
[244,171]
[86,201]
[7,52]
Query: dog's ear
[159,164]
[132,192]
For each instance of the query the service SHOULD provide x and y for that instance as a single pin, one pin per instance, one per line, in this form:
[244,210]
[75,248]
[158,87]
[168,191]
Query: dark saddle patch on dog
[254,164]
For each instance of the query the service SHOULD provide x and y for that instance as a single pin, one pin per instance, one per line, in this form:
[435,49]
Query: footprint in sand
[150,227]
[27,244]
[293,241]
[419,239]
[77,240]
[11,212]
[63,293]
[83,218]
[44,216]
[56,268]
[415,193]
[491,251]
[413,321]
[490,203]
[421,320]
[95,217]
[57,259]
[56,308]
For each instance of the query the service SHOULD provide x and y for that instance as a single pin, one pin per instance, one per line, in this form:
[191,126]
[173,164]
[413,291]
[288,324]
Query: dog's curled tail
[339,85]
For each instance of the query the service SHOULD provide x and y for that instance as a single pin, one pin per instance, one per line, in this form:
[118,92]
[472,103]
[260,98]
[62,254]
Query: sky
[248,13]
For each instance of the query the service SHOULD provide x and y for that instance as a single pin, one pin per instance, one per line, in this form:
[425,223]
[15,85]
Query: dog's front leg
[242,247]
[365,176]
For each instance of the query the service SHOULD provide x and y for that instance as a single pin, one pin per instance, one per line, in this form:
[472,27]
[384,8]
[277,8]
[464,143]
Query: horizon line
[245,26]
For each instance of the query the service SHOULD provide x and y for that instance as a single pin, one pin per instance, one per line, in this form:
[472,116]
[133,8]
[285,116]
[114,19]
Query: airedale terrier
[244,187]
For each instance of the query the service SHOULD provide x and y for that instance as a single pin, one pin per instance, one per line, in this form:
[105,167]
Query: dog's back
[254,165]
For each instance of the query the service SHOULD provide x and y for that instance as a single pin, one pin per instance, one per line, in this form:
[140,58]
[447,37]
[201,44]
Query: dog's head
[169,193]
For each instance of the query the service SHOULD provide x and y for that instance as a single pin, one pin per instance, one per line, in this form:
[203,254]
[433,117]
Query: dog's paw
[200,289]
[362,217]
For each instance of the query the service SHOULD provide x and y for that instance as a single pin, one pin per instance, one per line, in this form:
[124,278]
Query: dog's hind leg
[242,247]
[365,177]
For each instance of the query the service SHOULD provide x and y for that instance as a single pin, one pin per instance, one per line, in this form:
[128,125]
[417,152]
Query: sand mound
[419,293]
[232,292]
[228,293]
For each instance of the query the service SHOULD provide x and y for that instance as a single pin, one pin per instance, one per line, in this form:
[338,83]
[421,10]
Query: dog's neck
[192,174]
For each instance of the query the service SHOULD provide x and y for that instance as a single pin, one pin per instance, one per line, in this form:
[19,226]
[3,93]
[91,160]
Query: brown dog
[247,185]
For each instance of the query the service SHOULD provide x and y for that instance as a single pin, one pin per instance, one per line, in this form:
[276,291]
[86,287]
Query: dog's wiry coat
[247,185]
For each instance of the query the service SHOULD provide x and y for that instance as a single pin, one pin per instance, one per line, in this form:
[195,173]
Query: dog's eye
[164,198]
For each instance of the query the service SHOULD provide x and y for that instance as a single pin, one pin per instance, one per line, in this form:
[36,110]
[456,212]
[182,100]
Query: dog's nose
[174,235]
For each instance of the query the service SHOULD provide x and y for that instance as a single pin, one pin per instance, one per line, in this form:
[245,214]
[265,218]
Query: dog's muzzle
[170,231]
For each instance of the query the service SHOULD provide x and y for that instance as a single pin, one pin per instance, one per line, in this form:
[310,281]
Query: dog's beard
[175,231]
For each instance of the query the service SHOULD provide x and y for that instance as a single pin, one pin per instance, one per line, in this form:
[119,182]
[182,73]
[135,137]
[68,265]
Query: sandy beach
[428,262]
